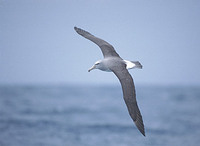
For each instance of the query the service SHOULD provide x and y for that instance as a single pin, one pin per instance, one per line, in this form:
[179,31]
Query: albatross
[112,62]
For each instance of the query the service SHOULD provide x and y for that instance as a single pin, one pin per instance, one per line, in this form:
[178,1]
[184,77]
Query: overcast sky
[39,45]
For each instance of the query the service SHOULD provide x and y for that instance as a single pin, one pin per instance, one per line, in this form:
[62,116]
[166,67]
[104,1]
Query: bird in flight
[112,62]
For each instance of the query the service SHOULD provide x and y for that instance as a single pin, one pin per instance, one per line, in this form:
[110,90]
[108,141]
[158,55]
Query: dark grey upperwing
[106,48]
[129,95]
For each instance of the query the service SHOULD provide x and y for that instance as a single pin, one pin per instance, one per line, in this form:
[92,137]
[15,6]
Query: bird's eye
[97,63]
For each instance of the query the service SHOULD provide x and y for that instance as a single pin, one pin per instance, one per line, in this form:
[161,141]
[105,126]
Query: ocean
[86,115]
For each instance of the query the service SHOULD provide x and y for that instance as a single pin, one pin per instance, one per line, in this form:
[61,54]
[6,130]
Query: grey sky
[39,45]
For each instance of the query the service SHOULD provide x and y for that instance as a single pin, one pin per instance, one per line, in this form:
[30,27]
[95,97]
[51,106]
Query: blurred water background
[80,115]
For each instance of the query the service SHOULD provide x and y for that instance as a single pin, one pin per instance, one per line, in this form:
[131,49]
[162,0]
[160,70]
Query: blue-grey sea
[86,115]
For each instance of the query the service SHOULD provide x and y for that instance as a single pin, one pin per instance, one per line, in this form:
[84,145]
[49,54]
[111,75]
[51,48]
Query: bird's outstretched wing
[129,95]
[106,48]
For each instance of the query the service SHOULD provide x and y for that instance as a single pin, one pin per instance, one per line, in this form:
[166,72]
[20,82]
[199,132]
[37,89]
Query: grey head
[95,66]
[100,64]
[113,62]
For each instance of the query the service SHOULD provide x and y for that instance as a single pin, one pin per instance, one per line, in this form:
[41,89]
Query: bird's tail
[137,64]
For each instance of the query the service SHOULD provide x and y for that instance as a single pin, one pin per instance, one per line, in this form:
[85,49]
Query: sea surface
[86,115]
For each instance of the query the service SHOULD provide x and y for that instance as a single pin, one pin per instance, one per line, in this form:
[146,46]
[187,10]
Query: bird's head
[96,65]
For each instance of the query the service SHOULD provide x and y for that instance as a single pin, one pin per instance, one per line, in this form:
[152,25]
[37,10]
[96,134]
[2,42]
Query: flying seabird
[112,62]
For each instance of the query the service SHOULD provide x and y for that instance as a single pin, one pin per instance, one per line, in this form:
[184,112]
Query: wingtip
[141,129]
[143,133]
[79,30]
[140,126]
[75,28]
[139,123]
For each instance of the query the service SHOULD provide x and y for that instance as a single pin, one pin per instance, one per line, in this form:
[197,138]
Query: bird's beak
[93,67]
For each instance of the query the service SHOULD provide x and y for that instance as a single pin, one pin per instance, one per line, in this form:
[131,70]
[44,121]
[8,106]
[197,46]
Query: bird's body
[112,62]
[107,63]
